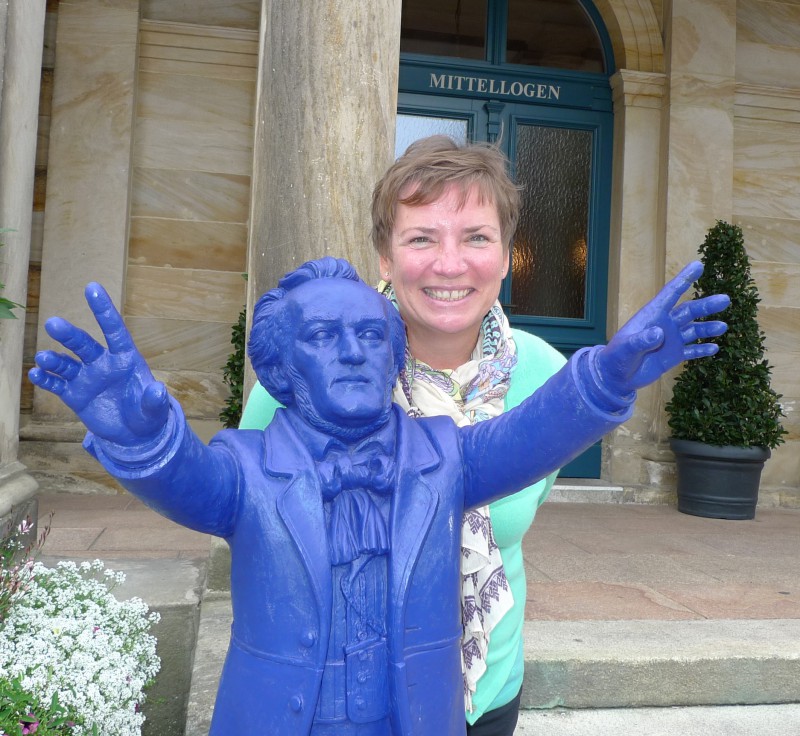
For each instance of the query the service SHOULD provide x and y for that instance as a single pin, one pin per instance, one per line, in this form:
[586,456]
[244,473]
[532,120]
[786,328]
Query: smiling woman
[443,216]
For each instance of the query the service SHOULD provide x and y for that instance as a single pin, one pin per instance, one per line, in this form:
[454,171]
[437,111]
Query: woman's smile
[448,295]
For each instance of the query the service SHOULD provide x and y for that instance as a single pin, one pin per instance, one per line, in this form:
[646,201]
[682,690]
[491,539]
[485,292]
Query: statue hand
[661,335]
[111,389]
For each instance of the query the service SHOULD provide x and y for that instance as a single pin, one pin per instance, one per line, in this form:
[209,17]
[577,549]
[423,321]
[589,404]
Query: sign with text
[494,87]
[550,88]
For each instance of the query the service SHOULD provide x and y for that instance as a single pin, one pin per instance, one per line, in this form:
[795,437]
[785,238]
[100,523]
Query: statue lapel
[299,504]
[414,505]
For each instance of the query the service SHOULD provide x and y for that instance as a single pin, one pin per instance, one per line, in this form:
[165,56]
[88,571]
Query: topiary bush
[233,375]
[727,399]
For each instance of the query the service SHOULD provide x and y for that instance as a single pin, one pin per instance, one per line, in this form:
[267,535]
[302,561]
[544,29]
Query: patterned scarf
[471,393]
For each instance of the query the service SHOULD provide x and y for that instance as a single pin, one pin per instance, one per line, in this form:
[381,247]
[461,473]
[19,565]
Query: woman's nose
[450,260]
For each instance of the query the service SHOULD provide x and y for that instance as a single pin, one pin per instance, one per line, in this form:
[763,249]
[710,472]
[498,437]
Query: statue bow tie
[356,524]
[368,470]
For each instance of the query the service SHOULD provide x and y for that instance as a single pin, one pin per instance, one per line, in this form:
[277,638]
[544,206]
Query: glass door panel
[553,167]
[412,127]
[455,28]
[555,33]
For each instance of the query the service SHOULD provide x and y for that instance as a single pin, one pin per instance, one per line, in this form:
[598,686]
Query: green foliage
[6,305]
[727,399]
[233,375]
[18,715]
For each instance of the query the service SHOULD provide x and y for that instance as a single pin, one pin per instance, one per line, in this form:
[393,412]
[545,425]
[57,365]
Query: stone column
[89,166]
[21,42]
[636,265]
[700,39]
[324,132]
[697,161]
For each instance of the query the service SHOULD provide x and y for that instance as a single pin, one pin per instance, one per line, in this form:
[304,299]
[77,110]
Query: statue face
[341,352]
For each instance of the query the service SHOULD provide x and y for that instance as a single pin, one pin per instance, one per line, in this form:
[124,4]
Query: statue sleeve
[177,475]
[570,412]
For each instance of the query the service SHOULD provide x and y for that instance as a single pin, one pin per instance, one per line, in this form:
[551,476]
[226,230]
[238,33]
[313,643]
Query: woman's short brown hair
[431,164]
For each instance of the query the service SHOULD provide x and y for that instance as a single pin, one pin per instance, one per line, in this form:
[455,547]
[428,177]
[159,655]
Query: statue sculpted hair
[272,329]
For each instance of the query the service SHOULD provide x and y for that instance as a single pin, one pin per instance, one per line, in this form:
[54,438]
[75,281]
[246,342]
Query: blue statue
[343,516]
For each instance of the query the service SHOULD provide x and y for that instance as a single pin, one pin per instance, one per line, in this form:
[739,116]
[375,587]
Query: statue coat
[260,492]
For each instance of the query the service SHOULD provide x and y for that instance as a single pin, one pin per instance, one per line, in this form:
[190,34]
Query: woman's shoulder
[259,409]
[534,354]
[536,362]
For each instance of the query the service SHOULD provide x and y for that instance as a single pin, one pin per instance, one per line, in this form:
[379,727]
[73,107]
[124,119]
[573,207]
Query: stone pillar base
[54,456]
[17,499]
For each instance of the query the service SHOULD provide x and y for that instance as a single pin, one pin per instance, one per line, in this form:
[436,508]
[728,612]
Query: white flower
[68,634]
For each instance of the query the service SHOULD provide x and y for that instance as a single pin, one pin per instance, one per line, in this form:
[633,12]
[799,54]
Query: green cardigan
[511,518]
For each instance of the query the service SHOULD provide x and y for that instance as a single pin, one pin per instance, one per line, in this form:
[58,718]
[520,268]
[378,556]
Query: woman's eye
[420,241]
[478,239]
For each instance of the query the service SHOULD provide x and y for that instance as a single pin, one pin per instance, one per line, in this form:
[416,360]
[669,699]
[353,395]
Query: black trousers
[499,722]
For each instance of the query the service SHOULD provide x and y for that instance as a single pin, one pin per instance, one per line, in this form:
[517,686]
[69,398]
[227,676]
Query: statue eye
[320,335]
[372,333]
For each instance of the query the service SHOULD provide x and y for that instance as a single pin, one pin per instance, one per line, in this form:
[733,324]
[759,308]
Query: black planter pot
[718,482]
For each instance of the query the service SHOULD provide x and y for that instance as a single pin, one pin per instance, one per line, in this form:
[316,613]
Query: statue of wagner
[343,516]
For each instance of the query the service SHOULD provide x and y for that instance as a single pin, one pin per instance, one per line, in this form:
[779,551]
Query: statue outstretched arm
[591,395]
[135,429]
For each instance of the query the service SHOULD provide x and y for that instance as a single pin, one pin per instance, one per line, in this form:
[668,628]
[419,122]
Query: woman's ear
[386,268]
[506,263]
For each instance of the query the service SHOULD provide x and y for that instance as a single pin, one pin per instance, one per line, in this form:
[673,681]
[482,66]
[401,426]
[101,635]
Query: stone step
[212,644]
[53,453]
[586,490]
[615,664]
[729,720]
[602,664]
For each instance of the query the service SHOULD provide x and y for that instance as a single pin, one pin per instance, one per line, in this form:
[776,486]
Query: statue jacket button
[308,639]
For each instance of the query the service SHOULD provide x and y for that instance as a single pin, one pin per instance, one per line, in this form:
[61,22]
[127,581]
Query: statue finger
[700,350]
[669,295]
[47,381]
[623,357]
[59,364]
[699,308]
[147,415]
[646,341]
[155,402]
[75,339]
[703,330]
[118,338]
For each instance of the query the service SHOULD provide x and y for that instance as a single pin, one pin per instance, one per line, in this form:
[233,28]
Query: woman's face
[446,266]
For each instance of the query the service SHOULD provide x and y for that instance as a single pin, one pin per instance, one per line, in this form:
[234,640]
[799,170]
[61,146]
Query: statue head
[327,345]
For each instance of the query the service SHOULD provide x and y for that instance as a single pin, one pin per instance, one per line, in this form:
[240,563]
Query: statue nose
[351,350]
